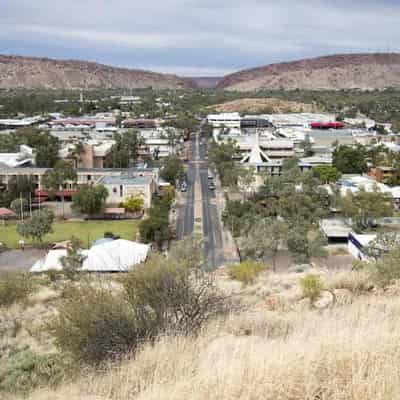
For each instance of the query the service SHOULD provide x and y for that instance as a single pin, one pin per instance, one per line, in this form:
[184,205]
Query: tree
[90,199]
[171,169]
[304,244]
[266,237]
[222,158]
[133,204]
[74,259]
[350,160]
[19,206]
[326,173]
[38,226]
[55,179]
[247,177]
[307,146]
[18,186]
[155,228]
[125,151]
[365,207]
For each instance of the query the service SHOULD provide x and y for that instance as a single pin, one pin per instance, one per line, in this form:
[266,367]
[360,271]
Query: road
[212,233]
[185,223]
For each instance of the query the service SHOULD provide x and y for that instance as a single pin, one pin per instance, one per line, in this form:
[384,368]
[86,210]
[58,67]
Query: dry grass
[349,352]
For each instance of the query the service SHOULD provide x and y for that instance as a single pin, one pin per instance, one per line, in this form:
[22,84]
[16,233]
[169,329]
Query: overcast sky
[197,37]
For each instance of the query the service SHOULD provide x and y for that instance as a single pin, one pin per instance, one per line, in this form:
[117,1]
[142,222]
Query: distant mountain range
[345,71]
[30,72]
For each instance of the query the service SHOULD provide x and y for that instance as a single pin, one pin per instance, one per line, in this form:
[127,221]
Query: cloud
[208,36]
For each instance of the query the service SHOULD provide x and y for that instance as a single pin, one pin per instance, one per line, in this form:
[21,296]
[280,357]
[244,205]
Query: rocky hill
[346,71]
[268,105]
[29,72]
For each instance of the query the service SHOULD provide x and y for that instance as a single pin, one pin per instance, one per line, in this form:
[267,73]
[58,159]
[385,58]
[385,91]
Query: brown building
[382,173]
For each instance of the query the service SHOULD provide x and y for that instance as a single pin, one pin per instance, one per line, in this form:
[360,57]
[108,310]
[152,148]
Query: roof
[7,213]
[115,210]
[113,256]
[126,180]
[335,228]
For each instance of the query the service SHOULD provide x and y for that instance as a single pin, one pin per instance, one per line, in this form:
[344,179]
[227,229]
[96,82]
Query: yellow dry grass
[349,352]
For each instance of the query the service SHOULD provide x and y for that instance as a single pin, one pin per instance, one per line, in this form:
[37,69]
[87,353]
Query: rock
[325,300]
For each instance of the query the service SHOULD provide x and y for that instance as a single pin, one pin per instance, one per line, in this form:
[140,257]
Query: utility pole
[22,208]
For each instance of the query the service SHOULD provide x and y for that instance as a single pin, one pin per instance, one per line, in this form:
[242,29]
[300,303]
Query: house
[120,188]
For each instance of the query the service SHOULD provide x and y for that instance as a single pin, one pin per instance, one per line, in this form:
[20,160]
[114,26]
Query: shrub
[246,272]
[387,269]
[162,296]
[133,204]
[94,324]
[182,299]
[24,370]
[311,286]
[14,287]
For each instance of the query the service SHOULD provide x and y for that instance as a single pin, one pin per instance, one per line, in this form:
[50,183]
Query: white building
[229,120]
[120,188]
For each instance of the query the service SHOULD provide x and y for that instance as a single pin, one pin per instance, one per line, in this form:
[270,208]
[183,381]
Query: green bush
[171,295]
[24,370]
[246,272]
[93,324]
[311,286]
[133,204]
[180,298]
[14,288]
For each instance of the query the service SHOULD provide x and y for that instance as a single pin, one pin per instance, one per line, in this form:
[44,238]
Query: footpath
[231,254]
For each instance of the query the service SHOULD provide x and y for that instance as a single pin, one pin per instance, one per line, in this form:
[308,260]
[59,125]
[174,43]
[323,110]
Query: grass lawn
[86,231]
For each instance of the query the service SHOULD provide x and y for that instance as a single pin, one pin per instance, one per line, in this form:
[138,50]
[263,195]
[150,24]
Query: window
[120,190]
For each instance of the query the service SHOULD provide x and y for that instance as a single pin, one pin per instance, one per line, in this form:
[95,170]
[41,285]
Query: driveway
[20,260]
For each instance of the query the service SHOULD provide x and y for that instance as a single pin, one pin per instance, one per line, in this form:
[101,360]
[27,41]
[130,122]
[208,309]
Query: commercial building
[24,158]
[228,120]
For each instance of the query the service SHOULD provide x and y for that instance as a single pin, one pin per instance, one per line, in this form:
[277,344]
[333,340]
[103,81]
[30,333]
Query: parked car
[211,185]
[183,187]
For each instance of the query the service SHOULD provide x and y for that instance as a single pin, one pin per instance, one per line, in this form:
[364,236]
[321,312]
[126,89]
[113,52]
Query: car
[184,187]
[211,186]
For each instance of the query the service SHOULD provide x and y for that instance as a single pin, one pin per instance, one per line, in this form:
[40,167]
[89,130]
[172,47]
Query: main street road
[185,221]
[212,234]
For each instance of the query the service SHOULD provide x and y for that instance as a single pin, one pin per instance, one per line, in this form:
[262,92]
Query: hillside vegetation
[343,71]
[268,105]
[30,72]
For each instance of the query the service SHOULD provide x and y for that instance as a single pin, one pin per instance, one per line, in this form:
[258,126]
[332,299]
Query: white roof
[363,239]
[115,256]
[256,156]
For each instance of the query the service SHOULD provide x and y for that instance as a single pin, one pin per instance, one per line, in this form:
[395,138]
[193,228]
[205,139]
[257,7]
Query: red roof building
[327,125]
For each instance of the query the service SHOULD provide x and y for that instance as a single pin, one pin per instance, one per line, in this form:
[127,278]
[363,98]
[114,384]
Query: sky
[197,37]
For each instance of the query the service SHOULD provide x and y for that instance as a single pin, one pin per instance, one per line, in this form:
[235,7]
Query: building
[121,188]
[358,245]
[383,174]
[24,158]
[228,120]
[88,154]
[85,176]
